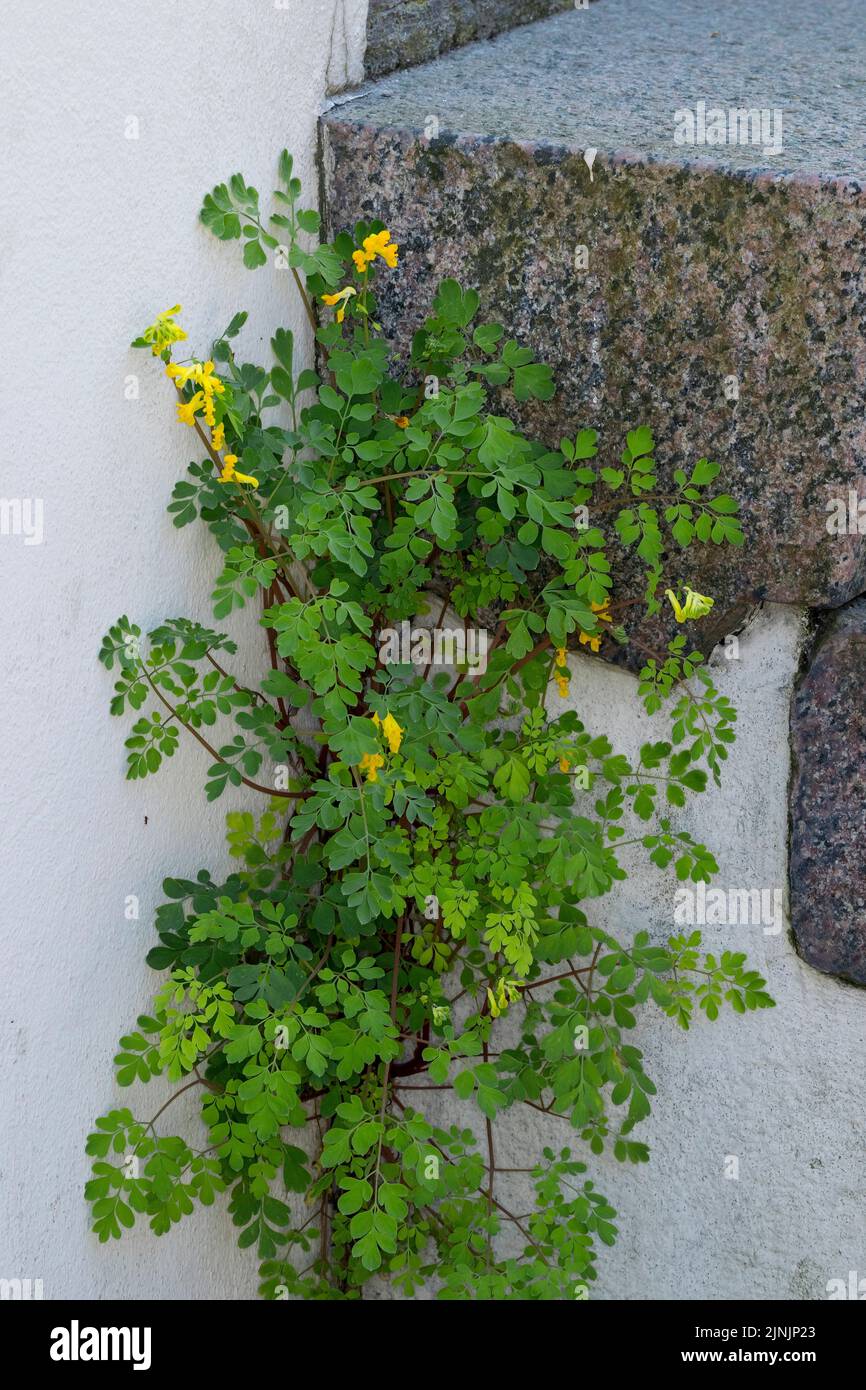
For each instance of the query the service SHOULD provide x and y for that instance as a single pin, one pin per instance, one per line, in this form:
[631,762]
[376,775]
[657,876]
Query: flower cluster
[230,474]
[507,992]
[561,673]
[379,244]
[593,639]
[391,730]
[203,375]
[160,334]
[393,735]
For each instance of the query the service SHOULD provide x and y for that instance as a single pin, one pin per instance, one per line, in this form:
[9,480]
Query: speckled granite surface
[828,800]
[403,32]
[612,77]
[696,273]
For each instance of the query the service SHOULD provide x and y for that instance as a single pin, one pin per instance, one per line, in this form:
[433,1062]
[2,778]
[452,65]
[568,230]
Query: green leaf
[254,255]
[534,381]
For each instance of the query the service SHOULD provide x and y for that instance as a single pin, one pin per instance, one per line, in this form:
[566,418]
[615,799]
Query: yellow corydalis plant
[393,734]
[230,474]
[593,639]
[341,299]
[391,730]
[378,244]
[160,334]
[695,605]
[384,898]
[203,375]
[561,672]
[505,992]
[370,764]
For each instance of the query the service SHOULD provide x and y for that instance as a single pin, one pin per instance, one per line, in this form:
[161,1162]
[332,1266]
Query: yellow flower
[564,764]
[561,673]
[180,375]
[507,992]
[186,410]
[202,373]
[593,639]
[393,733]
[231,475]
[163,331]
[218,437]
[695,606]
[402,421]
[342,299]
[379,244]
[205,375]
[391,729]
[370,763]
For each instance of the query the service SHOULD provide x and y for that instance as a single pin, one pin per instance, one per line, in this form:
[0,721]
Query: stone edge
[404,33]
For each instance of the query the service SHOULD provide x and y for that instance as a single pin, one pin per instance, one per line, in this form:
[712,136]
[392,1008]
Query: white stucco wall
[99,232]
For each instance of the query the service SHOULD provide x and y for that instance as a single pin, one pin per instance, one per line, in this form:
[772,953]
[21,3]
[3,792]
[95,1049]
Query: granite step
[403,32]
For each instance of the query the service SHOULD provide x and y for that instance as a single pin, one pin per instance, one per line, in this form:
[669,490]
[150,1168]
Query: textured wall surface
[101,234]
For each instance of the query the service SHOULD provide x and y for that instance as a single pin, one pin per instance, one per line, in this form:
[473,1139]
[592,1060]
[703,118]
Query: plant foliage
[411,911]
